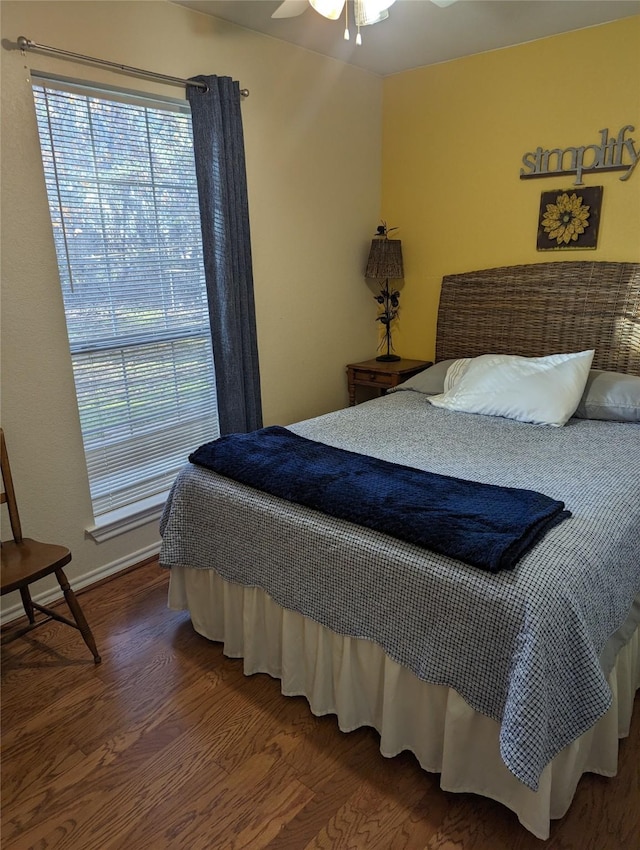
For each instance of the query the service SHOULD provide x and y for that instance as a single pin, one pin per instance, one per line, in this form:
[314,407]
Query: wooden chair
[25,561]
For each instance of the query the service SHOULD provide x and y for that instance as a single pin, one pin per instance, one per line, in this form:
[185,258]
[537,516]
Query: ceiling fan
[365,11]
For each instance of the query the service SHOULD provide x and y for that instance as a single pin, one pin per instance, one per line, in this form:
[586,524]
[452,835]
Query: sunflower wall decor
[569,218]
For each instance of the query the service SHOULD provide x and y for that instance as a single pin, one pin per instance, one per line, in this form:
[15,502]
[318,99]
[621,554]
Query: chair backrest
[8,495]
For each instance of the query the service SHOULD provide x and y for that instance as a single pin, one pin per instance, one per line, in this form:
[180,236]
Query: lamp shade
[385,260]
[331,9]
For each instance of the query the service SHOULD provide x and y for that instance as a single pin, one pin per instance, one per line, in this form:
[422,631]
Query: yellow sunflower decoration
[567,219]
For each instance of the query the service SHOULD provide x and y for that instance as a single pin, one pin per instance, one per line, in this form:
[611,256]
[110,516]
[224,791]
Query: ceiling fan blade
[290,9]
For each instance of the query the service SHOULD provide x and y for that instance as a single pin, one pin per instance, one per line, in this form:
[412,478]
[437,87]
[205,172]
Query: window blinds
[120,180]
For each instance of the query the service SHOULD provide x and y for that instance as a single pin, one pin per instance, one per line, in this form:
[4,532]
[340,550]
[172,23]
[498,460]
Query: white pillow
[542,390]
[455,371]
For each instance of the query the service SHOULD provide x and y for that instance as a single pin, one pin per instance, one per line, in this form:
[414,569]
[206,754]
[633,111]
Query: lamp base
[388,358]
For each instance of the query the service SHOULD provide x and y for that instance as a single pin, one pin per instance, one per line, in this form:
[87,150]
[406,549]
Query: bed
[509,684]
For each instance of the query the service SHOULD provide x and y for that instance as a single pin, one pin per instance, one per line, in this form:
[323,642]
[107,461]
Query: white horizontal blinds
[120,178]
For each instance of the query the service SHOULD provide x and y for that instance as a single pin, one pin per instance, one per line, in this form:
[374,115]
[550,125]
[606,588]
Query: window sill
[126,519]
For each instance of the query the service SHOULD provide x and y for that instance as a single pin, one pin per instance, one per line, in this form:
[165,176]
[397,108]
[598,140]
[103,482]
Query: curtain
[224,211]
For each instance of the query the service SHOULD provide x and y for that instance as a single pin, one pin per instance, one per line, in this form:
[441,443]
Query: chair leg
[28,605]
[78,616]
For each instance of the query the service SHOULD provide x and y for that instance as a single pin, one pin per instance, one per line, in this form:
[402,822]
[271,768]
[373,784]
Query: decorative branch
[383,230]
[389,301]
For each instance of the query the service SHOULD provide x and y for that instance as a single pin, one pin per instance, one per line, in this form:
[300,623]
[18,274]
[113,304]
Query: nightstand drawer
[360,376]
[381,376]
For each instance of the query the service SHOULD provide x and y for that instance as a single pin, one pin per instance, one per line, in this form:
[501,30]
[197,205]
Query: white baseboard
[55,594]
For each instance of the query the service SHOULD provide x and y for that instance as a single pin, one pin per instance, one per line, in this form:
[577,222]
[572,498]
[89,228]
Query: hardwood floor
[167,744]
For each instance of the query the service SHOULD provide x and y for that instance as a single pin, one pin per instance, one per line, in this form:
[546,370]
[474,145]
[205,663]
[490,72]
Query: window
[120,180]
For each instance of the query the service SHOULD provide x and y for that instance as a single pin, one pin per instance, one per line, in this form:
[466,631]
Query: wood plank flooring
[167,744]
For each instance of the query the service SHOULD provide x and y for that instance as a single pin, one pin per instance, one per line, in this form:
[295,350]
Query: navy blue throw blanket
[484,525]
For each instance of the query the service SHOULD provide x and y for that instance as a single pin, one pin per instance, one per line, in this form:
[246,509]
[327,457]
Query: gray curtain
[224,211]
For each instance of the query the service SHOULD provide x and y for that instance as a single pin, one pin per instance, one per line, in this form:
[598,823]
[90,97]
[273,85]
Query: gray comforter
[523,647]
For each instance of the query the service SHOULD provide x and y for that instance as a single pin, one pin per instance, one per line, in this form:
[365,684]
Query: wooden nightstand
[380,375]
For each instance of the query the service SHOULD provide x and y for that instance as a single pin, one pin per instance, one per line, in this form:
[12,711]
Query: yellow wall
[453,138]
[312,135]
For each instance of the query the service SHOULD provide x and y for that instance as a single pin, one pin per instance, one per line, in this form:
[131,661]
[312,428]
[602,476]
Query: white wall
[312,137]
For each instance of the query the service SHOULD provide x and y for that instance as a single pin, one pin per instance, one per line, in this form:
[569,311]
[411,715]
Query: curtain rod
[26,44]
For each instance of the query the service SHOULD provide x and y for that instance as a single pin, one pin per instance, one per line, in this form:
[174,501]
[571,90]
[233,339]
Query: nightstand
[380,375]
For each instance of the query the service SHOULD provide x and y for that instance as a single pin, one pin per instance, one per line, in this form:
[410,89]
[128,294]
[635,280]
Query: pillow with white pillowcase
[539,390]
[436,379]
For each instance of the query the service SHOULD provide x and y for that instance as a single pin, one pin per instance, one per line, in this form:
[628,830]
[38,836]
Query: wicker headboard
[544,308]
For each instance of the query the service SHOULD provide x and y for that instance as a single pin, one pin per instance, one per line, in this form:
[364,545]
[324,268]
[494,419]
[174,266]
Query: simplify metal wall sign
[611,154]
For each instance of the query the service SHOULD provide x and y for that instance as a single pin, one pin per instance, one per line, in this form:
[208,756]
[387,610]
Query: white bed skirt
[356,681]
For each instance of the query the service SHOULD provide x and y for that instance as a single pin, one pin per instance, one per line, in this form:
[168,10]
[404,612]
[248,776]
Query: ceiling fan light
[367,12]
[331,9]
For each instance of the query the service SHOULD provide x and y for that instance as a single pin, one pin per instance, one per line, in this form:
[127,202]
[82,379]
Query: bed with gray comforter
[524,646]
